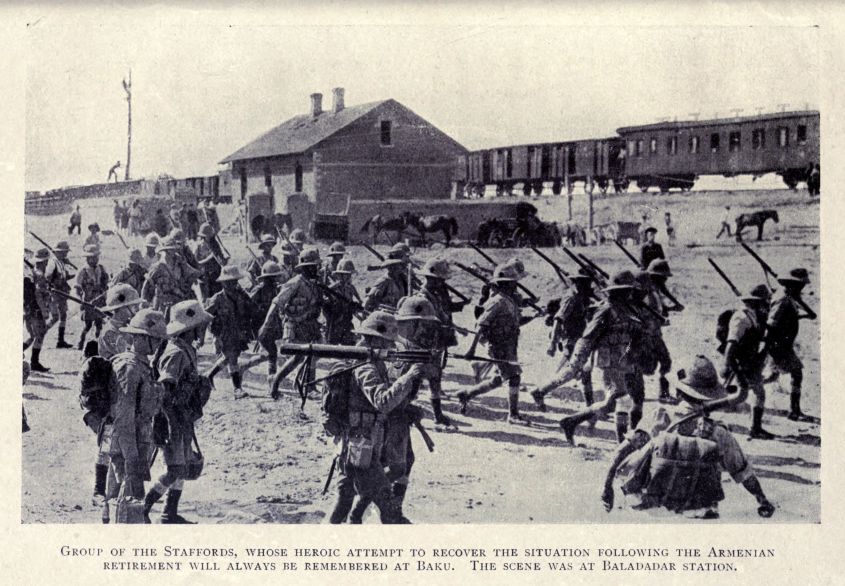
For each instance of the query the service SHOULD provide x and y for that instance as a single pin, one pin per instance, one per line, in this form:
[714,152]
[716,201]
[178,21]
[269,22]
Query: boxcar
[674,154]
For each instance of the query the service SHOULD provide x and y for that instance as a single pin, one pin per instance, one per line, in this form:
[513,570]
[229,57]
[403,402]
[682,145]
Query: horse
[380,224]
[425,224]
[754,219]
[494,233]
[261,224]
[573,233]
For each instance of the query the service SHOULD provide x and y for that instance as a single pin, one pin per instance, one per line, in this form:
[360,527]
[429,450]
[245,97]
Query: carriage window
[672,145]
[508,163]
[297,178]
[783,136]
[694,144]
[734,142]
[652,146]
[386,138]
[801,136]
[631,148]
[714,142]
[639,148]
[758,139]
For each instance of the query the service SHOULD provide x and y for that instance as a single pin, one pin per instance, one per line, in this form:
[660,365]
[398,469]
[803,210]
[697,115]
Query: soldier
[371,400]
[233,325]
[122,302]
[150,256]
[210,258]
[499,325]
[185,392]
[211,214]
[135,401]
[134,273]
[293,316]
[569,323]
[339,313]
[782,330]
[266,247]
[662,456]
[653,283]
[650,249]
[75,222]
[726,223]
[37,308]
[173,216]
[193,221]
[335,253]
[57,275]
[94,382]
[262,295]
[613,333]
[93,238]
[92,282]
[389,289]
[298,240]
[160,224]
[186,255]
[289,257]
[418,328]
[436,273]
[163,287]
[743,356]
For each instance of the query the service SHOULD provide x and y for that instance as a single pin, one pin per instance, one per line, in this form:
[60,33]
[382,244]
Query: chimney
[337,93]
[316,104]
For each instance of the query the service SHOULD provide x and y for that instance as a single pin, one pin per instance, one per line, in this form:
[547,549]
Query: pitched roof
[301,133]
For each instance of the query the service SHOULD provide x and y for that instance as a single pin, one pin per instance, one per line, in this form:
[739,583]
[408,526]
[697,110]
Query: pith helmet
[267,240]
[187,315]
[230,273]
[345,266]
[62,246]
[121,295]
[512,270]
[270,269]
[91,250]
[700,382]
[287,249]
[380,324]
[135,256]
[42,254]
[168,243]
[151,241]
[437,268]
[399,250]
[660,267]
[310,257]
[297,236]
[799,275]
[147,321]
[336,249]
[206,230]
[759,294]
[95,227]
[415,307]
[621,280]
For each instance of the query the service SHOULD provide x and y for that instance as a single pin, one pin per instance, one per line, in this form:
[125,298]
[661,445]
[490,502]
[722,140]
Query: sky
[201,91]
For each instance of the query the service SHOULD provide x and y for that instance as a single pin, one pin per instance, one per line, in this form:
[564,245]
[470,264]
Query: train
[665,155]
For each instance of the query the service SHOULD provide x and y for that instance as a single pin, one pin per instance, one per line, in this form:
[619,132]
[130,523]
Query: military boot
[757,431]
[62,344]
[100,474]
[481,388]
[621,426]
[636,416]
[539,399]
[665,396]
[439,418]
[568,424]
[514,416]
[399,491]
[81,342]
[35,362]
[236,383]
[795,413]
[151,498]
[356,516]
[171,515]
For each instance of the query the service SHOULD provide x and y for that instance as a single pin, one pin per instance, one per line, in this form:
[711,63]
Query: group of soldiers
[613,324]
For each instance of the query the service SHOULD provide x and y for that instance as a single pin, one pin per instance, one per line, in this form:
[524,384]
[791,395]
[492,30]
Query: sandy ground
[266,462]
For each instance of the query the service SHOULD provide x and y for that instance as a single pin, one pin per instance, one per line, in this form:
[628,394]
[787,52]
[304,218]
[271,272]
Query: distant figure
[174,217]
[651,249]
[117,212]
[113,172]
[670,229]
[726,223]
[211,214]
[160,225]
[124,217]
[75,222]
[193,223]
[134,228]
[93,237]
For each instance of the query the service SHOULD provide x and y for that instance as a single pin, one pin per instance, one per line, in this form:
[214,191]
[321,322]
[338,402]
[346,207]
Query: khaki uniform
[499,323]
[133,275]
[112,341]
[386,292]
[207,254]
[92,283]
[164,286]
[177,366]
[254,266]
[57,277]
[233,325]
[339,314]
[745,330]
[36,307]
[782,331]
[262,296]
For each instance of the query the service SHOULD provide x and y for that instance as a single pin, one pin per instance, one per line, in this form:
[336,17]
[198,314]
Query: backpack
[94,394]
[723,323]
[334,401]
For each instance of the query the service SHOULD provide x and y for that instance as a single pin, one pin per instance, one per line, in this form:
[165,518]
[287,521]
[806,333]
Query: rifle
[429,443]
[724,276]
[53,252]
[594,266]
[531,301]
[486,256]
[663,290]
[492,261]
[360,312]
[79,301]
[563,275]
[226,255]
[218,364]
[769,271]
[416,281]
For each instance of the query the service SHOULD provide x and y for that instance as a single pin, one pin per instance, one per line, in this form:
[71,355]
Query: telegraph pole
[127,87]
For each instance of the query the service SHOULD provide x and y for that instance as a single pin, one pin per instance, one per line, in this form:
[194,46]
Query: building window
[714,142]
[386,138]
[783,136]
[297,178]
[243,182]
[694,145]
[758,139]
[734,142]
[639,152]
[672,145]
[801,136]
[652,146]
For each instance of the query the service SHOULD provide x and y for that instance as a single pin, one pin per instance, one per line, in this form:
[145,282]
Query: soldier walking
[339,310]
[266,247]
[653,283]
[650,249]
[210,258]
[75,222]
[389,289]
[122,302]
[57,275]
[499,325]
[150,256]
[262,295]
[184,392]
[134,273]
[37,308]
[783,324]
[233,325]
[335,253]
[164,286]
[91,285]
